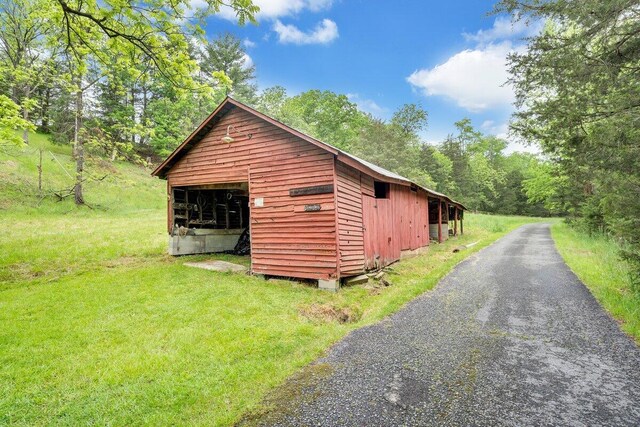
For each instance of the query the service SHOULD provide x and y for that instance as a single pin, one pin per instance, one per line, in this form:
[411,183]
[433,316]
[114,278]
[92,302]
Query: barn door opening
[434,233]
[209,218]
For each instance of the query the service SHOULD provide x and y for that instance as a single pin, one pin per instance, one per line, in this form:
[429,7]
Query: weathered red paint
[317,236]
[285,240]
[395,224]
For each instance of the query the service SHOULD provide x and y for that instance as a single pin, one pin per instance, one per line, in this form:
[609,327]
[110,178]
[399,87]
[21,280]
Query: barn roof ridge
[190,140]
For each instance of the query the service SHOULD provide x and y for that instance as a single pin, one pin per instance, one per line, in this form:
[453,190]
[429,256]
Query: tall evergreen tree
[226,54]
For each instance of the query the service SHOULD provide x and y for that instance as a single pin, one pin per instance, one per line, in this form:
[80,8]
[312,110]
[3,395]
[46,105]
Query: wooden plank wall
[285,240]
[387,226]
[395,224]
[350,226]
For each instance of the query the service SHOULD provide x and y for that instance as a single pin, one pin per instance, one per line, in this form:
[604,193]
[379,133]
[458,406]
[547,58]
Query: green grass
[118,187]
[596,262]
[99,326]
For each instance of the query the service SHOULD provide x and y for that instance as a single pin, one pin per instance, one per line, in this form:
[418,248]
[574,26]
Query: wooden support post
[446,211]
[170,212]
[455,220]
[461,221]
[439,221]
[186,208]
[227,217]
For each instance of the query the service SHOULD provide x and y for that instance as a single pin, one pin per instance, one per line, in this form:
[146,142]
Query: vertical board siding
[394,224]
[350,225]
[285,240]
[373,232]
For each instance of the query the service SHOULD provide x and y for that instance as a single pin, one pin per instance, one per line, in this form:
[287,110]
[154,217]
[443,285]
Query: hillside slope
[115,187]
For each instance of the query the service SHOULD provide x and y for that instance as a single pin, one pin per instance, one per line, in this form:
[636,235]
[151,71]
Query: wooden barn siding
[350,225]
[285,240]
[394,224]
[373,232]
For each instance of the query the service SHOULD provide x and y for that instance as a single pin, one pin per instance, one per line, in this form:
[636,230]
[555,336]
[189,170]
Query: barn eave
[229,103]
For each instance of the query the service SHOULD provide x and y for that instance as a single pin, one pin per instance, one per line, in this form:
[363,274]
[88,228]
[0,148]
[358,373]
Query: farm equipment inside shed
[208,218]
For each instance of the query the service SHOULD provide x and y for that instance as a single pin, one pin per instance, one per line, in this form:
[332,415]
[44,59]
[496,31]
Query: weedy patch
[330,313]
[378,284]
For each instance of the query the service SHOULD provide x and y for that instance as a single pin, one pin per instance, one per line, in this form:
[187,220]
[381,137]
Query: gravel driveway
[509,337]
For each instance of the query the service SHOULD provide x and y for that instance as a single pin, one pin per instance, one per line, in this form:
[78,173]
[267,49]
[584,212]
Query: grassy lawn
[99,326]
[595,261]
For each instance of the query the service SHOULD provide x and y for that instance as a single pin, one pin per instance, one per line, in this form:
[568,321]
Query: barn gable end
[286,239]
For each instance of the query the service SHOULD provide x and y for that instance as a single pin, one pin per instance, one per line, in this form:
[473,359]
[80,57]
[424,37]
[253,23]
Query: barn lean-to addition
[312,211]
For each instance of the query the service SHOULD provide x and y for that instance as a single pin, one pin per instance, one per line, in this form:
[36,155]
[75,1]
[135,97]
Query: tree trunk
[143,114]
[133,113]
[45,110]
[25,133]
[78,145]
[26,95]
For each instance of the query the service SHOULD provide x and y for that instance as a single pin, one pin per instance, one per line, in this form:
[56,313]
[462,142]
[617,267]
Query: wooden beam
[455,220]
[446,206]
[308,191]
[226,214]
[439,221]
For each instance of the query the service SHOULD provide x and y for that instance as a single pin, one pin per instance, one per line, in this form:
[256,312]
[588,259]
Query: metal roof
[393,175]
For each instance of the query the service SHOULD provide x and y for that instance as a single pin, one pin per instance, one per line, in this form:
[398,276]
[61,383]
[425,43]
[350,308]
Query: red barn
[312,211]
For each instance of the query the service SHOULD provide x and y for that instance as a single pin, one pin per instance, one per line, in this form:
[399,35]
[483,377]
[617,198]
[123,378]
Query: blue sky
[448,56]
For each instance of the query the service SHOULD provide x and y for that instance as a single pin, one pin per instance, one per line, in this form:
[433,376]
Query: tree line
[578,96]
[78,72]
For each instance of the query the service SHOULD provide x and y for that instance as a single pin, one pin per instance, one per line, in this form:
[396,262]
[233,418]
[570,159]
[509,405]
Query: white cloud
[247,62]
[325,32]
[247,43]
[197,4]
[367,105]
[273,9]
[317,5]
[474,78]
[504,29]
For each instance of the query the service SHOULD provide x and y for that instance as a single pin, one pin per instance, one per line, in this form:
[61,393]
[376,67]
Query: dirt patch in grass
[124,261]
[330,313]
[19,271]
[5,204]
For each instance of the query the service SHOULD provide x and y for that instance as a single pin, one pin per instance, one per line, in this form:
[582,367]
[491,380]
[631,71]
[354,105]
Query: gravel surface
[509,337]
